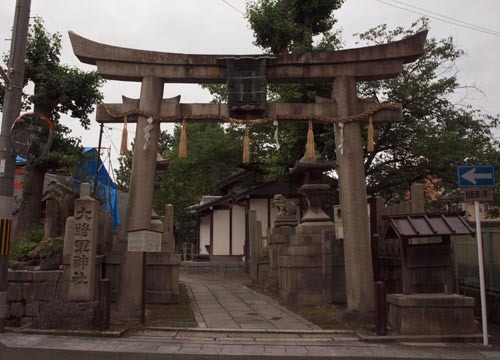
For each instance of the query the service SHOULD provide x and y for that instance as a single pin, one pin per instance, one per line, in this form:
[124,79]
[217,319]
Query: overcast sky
[215,27]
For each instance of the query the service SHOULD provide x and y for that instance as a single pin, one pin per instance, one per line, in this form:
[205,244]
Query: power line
[447,17]
[234,7]
[461,24]
[110,139]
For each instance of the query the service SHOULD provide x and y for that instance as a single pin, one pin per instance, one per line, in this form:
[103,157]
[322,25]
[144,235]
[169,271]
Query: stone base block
[300,280]
[314,227]
[163,259]
[431,314]
[306,240]
[60,314]
[162,279]
[281,234]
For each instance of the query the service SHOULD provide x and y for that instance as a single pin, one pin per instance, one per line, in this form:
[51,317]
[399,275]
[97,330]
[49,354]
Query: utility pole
[11,109]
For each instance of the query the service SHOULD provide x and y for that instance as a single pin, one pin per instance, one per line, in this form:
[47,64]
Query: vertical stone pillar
[358,257]
[326,266]
[168,241]
[140,201]
[83,257]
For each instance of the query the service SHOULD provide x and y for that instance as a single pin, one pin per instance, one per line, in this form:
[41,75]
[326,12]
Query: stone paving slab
[330,350]
[242,336]
[233,306]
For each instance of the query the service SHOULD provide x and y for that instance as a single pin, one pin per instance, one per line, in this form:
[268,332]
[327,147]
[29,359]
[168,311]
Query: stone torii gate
[342,68]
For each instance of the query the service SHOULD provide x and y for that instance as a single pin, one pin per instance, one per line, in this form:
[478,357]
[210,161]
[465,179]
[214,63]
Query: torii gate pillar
[344,67]
[357,248]
[141,196]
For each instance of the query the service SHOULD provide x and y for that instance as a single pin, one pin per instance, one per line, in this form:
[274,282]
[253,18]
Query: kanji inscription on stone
[82,265]
[144,241]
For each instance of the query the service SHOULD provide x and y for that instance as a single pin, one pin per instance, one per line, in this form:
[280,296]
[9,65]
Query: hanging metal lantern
[247,87]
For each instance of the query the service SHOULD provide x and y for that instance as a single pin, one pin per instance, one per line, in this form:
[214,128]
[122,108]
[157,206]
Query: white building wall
[204,233]
[238,230]
[260,206]
[221,232]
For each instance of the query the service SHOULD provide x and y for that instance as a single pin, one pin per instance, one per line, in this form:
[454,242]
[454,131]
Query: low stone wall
[162,279]
[191,267]
[29,292]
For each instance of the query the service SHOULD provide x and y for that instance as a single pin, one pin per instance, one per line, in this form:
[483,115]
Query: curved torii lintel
[366,63]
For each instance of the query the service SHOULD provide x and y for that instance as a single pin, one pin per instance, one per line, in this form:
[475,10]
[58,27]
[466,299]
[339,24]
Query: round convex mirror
[31,135]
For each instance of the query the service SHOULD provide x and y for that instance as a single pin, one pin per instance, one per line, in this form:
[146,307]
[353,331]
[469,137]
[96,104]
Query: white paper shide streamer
[147,132]
[276,137]
[341,138]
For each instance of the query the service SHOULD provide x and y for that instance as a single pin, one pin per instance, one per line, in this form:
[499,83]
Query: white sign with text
[144,241]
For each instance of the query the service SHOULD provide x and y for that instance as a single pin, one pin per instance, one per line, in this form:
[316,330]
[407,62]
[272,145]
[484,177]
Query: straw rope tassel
[183,141]
[370,146]
[310,151]
[124,144]
[246,146]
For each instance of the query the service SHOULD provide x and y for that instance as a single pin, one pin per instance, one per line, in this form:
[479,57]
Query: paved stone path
[230,305]
[236,322]
[156,347]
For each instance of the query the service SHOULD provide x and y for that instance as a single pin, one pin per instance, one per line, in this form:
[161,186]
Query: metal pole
[97,158]
[480,257]
[11,109]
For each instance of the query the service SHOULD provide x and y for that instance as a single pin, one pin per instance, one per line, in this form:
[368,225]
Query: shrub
[30,238]
[54,247]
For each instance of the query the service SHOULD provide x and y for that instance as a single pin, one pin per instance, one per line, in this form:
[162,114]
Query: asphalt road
[56,354]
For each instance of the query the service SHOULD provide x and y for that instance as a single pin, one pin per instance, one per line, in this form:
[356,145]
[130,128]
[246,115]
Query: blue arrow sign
[476,176]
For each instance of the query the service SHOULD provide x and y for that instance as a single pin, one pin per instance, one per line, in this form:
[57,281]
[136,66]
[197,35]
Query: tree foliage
[214,153]
[295,26]
[436,134]
[58,89]
[282,26]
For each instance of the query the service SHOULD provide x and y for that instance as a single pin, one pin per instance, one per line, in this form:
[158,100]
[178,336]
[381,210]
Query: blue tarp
[106,188]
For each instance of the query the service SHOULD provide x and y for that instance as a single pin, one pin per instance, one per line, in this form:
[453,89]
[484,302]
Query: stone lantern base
[300,265]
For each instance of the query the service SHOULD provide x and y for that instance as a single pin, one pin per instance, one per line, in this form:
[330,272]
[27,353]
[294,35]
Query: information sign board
[476,176]
[144,241]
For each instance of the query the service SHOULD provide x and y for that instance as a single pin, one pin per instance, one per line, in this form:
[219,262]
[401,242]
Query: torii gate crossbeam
[342,68]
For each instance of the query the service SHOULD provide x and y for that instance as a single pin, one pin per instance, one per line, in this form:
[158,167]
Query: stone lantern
[313,188]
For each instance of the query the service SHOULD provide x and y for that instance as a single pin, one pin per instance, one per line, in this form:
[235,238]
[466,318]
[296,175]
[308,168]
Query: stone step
[242,336]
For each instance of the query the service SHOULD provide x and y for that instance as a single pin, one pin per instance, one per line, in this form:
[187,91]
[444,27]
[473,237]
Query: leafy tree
[214,153]
[294,26]
[282,26]
[436,134]
[58,89]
